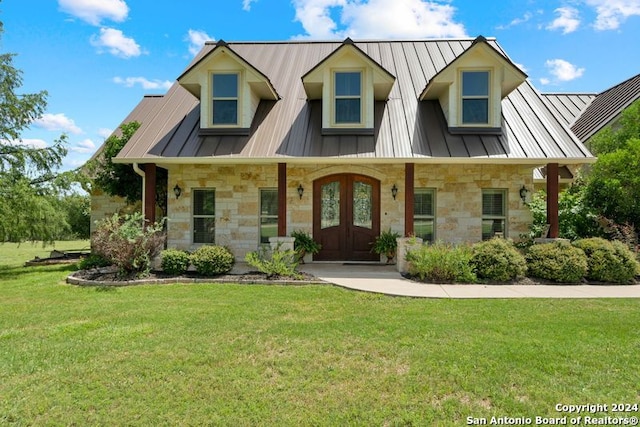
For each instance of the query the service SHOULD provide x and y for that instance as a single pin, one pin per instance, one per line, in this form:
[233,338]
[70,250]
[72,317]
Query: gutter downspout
[140,172]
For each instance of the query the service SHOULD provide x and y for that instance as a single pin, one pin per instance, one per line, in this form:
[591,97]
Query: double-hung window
[494,213]
[424,213]
[475,97]
[348,97]
[225,99]
[268,214]
[204,216]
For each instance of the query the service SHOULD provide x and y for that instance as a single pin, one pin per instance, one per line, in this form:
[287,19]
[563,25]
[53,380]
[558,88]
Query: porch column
[282,199]
[552,200]
[150,193]
[409,174]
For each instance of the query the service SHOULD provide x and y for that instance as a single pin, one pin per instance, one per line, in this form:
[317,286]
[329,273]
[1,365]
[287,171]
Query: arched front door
[346,217]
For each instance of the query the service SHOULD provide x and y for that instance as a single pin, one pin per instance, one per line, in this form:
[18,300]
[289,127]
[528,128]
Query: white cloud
[517,21]
[105,133]
[376,19]
[85,146]
[568,20]
[27,142]
[57,122]
[196,39]
[143,82]
[545,81]
[116,43]
[612,13]
[246,4]
[563,71]
[94,11]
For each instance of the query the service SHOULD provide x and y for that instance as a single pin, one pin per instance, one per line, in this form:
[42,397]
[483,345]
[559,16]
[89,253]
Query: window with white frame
[348,97]
[204,216]
[424,202]
[268,214]
[475,97]
[494,213]
[225,99]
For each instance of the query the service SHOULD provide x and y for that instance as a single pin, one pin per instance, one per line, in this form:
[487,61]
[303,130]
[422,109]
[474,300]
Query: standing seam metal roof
[404,128]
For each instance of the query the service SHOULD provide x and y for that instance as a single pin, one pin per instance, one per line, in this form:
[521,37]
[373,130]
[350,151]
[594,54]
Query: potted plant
[304,244]
[386,244]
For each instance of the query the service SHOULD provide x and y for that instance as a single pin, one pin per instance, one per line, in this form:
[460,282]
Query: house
[588,113]
[437,138]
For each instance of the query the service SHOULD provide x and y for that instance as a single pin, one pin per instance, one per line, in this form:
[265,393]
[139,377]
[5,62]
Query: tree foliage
[615,137]
[29,181]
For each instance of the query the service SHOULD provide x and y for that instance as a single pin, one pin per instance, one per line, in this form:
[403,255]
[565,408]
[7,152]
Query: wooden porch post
[552,200]
[282,199]
[409,175]
[150,193]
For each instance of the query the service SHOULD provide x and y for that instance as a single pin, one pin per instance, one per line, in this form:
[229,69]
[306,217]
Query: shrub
[274,263]
[93,261]
[175,262]
[441,263]
[212,260]
[608,261]
[304,244]
[559,262]
[125,243]
[499,260]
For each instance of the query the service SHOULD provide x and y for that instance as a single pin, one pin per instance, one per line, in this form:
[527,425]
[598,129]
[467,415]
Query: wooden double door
[346,217]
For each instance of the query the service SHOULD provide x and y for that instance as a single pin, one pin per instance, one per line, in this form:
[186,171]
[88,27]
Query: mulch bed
[109,276]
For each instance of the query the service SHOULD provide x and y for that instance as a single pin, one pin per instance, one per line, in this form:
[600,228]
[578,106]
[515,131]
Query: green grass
[212,354]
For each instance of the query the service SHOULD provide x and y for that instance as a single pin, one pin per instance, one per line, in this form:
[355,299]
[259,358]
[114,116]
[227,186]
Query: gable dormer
[229,89]
[471,87]
[348,82]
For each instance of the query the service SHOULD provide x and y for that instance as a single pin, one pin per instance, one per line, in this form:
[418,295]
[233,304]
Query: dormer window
[475,97]
[225,99]
[348,98]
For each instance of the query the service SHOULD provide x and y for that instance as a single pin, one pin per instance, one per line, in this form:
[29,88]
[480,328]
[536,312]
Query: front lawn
[212,354]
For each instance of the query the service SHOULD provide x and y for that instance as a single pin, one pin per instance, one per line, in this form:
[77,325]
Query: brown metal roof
[142,113]
[606,107]
[405,128]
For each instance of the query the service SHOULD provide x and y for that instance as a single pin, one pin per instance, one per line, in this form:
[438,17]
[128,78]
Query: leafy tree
[118,179]
[28,175]
[617,136]
[613,187]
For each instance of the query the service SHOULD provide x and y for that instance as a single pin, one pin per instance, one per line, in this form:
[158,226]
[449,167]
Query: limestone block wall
[458,198]
[103,206]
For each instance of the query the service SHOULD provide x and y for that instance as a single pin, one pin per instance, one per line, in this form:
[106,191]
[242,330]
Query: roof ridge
[619,84]
[341,41]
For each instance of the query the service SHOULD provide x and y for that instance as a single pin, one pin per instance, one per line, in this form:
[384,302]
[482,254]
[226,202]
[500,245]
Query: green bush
[127,244]
[608,261]
[212,260]
[93,261]
[175,262]
[274,263]
[559,262]
[498,259]
[441,263]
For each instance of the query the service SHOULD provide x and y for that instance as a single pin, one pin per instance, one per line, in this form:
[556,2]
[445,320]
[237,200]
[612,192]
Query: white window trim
[238,99]
[489,98]
[334,97]
[194,216]
[434,193]
[505,206]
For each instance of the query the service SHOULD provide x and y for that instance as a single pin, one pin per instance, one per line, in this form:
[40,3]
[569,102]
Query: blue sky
[97,58]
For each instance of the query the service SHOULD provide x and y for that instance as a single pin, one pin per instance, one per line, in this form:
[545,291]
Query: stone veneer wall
[458,198]
[103,206]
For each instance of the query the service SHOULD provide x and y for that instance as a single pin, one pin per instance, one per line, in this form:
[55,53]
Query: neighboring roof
[141,113]
[405,128]
[606,107]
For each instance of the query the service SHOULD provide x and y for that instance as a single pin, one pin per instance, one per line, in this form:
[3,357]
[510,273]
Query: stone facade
[103,206]
[458,198]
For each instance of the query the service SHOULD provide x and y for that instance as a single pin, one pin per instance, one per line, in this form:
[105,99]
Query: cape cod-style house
[433,138]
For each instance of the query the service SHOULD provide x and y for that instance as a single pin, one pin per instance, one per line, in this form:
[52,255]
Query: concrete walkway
[385,279]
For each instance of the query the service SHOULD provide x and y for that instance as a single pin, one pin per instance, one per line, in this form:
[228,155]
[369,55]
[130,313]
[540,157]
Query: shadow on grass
[10,272]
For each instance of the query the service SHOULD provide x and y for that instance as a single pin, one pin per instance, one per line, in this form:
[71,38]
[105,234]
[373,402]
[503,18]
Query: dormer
[348,82]
[229,89]
[471,87]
